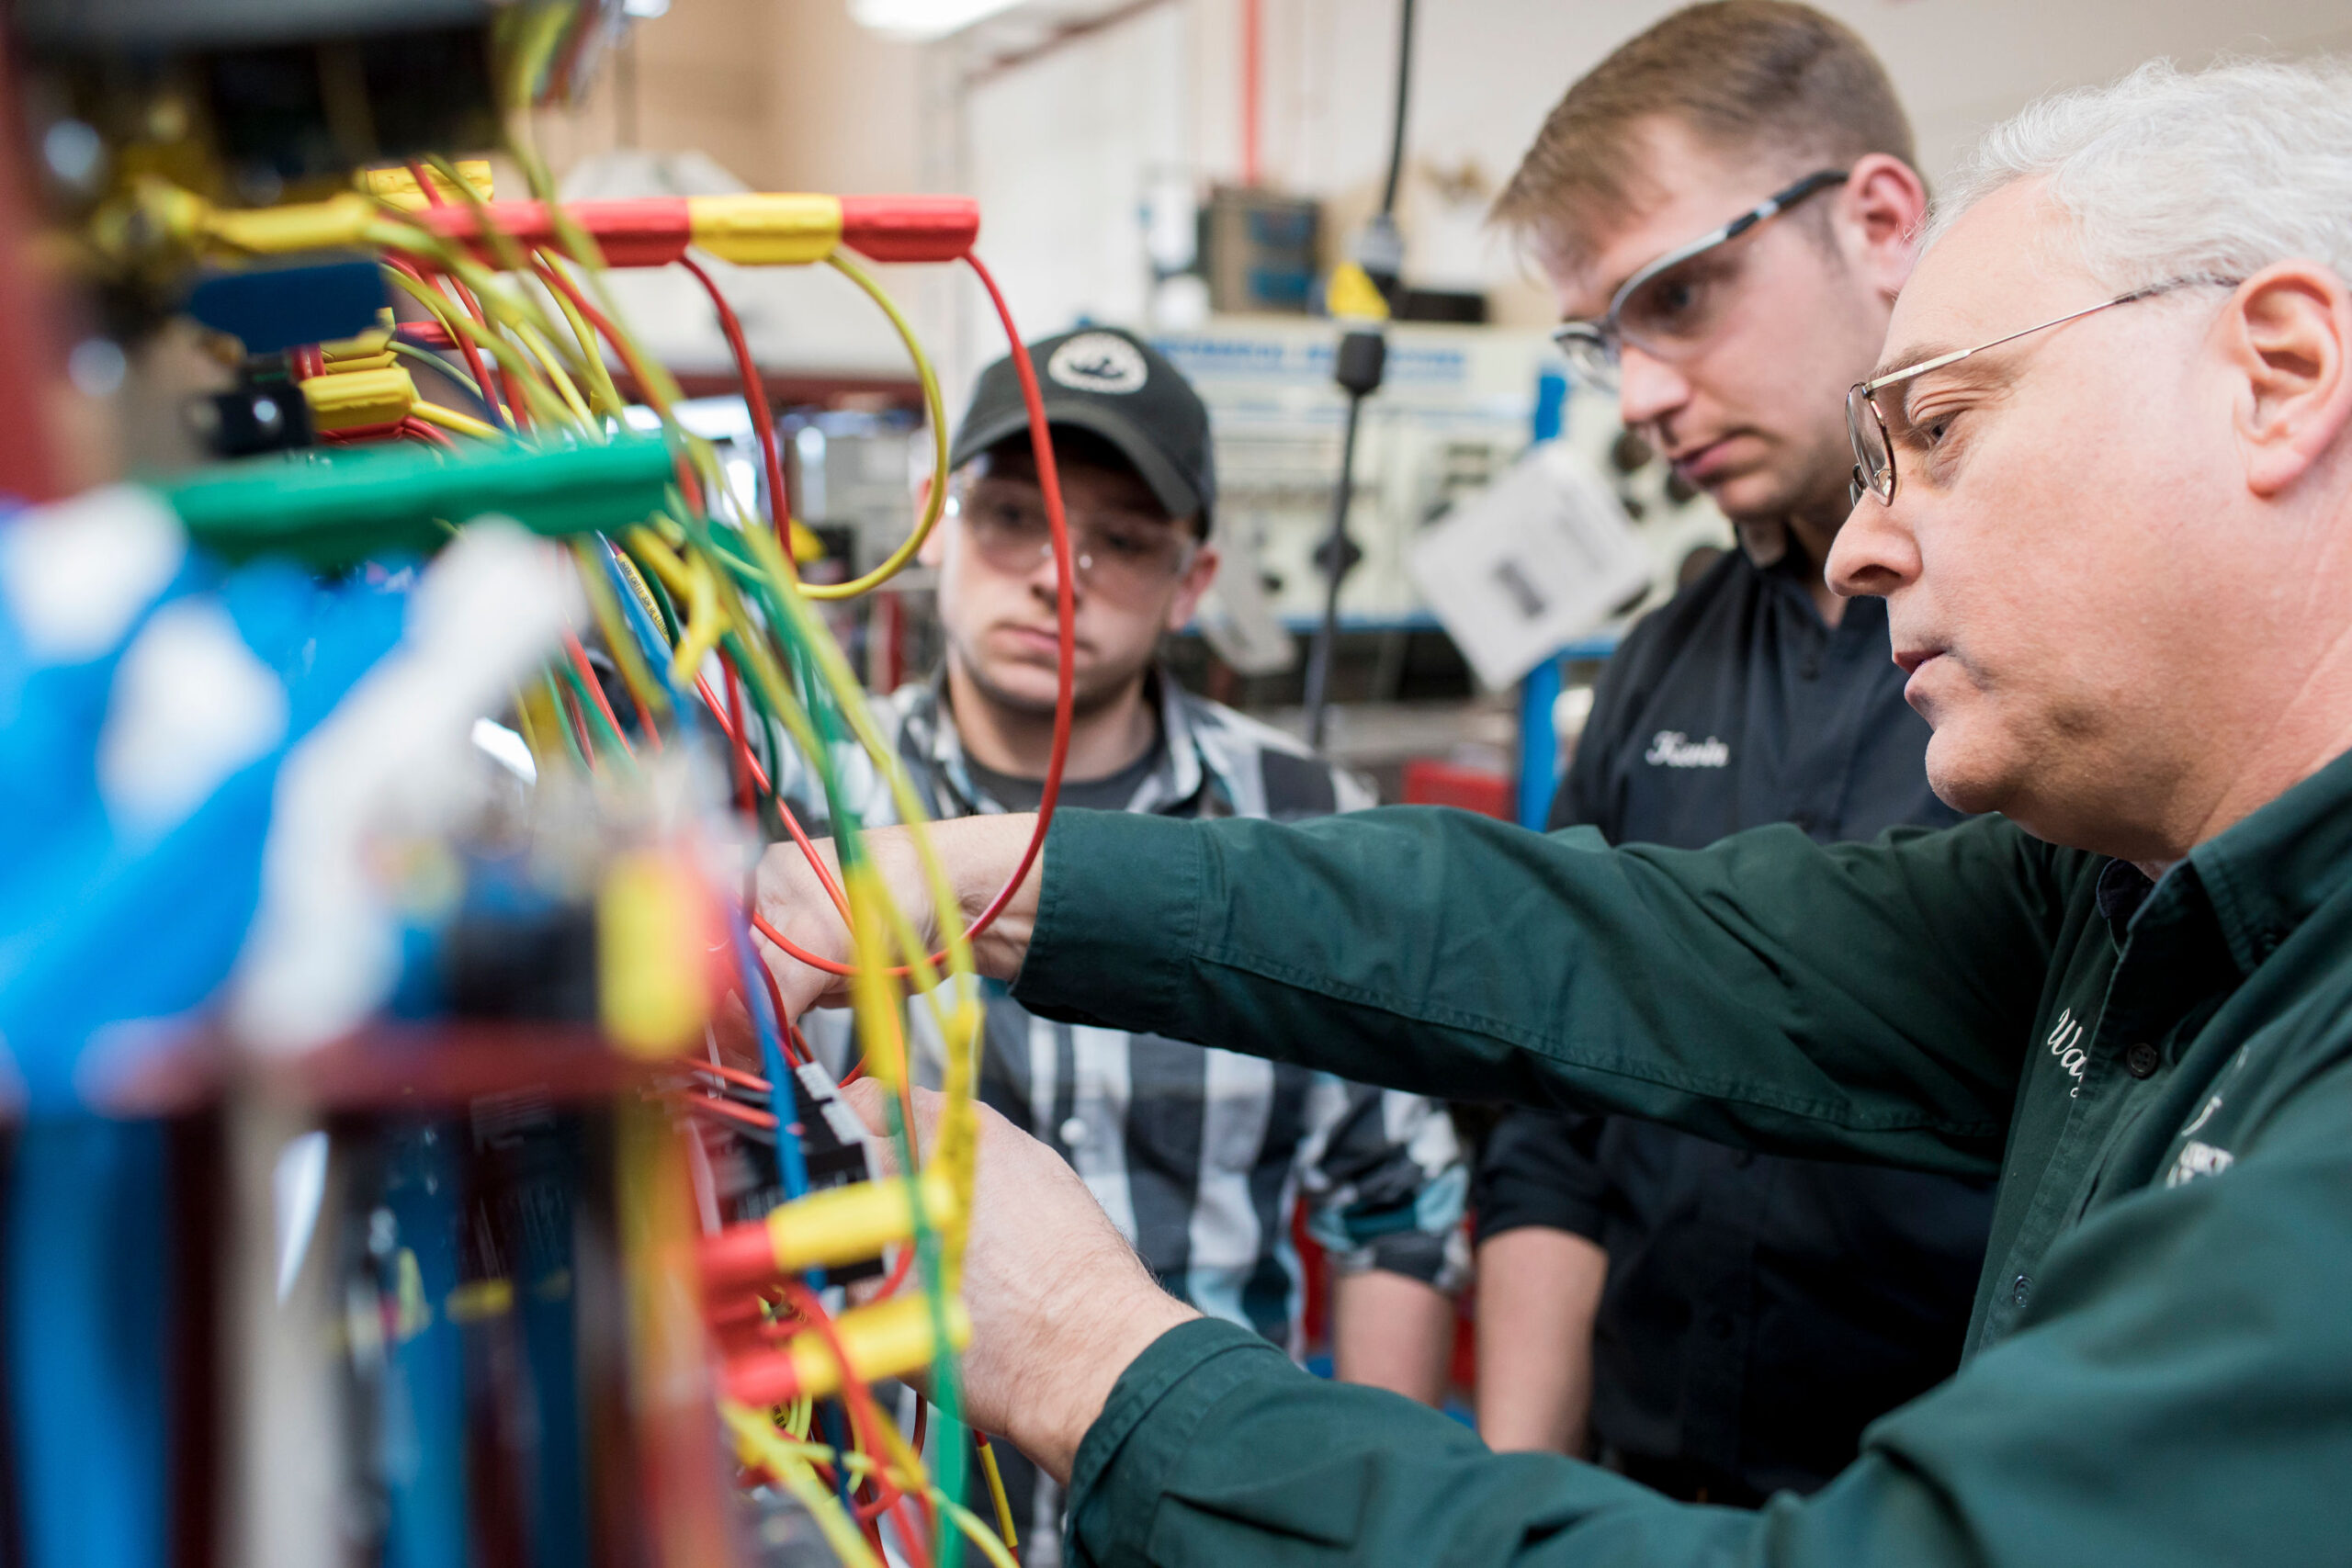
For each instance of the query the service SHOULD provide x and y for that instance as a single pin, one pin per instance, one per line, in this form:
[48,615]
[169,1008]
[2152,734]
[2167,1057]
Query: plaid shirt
[1198,1154]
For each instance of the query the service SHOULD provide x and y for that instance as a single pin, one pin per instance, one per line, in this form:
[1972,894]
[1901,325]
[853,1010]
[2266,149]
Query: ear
[1197,580]
[2288,334]
[1882,207]
[934,544]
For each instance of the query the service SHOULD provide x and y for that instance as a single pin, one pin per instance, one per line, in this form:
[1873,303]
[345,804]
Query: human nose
[1647,387]
[1876,552]
[1043,578]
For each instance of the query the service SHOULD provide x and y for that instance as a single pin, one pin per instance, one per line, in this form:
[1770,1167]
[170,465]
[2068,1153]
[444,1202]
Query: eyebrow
[1987,371]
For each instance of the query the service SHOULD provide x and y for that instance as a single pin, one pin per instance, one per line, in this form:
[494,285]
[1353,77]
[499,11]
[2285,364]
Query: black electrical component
[251,418]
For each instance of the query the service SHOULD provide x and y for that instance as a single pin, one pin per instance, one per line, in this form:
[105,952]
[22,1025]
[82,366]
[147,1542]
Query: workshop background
[1194,169]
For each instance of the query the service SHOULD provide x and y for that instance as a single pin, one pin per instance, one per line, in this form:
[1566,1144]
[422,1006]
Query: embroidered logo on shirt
[2199,1159]
[2065,1042]
[1672,749]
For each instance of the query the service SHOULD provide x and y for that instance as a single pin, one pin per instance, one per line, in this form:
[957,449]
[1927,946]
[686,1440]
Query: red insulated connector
[641,231]
[909,228]
[740,1256]
[760,1379]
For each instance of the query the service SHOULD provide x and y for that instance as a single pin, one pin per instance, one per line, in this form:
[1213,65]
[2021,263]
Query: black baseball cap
[1118,387]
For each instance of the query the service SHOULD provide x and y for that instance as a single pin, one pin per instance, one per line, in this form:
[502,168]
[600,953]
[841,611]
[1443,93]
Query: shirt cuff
[1118,919]
[1147,1424]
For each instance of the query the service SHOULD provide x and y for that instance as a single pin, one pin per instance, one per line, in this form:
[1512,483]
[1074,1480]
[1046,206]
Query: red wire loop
[1065,633]
[755,399]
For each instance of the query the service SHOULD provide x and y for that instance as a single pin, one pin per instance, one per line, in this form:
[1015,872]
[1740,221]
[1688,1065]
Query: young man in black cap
[1198,1154]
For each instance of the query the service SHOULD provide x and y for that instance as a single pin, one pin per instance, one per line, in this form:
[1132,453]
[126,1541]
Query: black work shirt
[1759,1310]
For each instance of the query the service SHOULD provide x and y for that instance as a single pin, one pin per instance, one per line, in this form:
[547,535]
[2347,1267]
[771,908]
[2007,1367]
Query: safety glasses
[1671,307]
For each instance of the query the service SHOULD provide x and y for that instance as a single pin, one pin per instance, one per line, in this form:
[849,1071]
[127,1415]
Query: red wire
[595,690]
[741,753]
[791,822]
[755,399]
[571,706]
[736,1076]
[554,278]
[863,1411]
[1065,633]
[432,435]
[465,345]
[714,1106]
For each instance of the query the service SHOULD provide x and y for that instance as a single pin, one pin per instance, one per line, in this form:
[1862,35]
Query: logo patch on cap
[1099,362]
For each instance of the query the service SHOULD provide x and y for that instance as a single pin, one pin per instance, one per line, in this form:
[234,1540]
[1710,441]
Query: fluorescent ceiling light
[921,21]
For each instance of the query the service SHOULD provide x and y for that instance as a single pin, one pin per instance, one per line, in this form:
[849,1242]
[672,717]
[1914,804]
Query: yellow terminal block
[397,186]
[757,230]
[845,1225]
[887,1340]
[357,400]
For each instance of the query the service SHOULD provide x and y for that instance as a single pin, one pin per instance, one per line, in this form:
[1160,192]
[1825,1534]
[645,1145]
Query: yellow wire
[545,406]
[545,354]
[934,409]
[450,418]
[995,1494]
[757,1444]
[600,377]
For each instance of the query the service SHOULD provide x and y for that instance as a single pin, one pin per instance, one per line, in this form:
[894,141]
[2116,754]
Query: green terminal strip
[337,509]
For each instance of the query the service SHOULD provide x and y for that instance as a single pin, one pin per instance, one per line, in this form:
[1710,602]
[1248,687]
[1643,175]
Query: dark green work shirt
[2159,1366]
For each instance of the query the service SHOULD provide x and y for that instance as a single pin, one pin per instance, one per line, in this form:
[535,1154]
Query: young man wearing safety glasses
[1724,209]
[1198,1154]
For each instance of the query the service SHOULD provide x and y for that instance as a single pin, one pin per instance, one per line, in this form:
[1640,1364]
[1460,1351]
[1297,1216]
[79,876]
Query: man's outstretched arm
[1871,1002]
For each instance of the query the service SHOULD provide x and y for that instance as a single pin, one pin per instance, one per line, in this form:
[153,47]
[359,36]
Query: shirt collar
[2267,874]
[930,737]
[1765,540]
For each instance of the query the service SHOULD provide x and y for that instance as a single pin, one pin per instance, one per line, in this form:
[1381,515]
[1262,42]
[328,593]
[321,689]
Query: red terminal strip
[752,228]
[909,228]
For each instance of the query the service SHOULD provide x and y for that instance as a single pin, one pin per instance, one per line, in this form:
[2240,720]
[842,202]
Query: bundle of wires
[704,616]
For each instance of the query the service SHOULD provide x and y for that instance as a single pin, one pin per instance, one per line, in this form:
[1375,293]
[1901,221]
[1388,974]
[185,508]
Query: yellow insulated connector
[889,1340]
[763,229]
[340,222]
[844,1224]
[652,963]
[355,399]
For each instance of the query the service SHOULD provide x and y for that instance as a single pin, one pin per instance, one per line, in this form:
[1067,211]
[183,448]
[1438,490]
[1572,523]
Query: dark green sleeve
[1869,1001]
[2174,1397]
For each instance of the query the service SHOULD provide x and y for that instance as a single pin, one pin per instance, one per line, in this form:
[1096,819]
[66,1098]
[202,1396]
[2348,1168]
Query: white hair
[2168,173]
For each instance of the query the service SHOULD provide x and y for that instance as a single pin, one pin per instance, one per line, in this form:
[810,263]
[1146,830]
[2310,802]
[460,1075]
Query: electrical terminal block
[887,1340]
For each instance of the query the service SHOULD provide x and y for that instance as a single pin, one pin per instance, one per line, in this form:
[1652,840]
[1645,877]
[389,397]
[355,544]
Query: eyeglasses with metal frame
[1866,426]
[1668,308]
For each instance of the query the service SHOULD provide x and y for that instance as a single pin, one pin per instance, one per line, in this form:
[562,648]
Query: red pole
[1253,30]
[30,361]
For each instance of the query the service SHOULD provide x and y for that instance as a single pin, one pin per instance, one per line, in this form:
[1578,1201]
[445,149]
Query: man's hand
[979,854]
[1061,1303]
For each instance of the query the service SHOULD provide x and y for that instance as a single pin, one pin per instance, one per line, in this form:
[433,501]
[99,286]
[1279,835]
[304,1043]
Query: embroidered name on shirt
[2065,1042]
[1672,749]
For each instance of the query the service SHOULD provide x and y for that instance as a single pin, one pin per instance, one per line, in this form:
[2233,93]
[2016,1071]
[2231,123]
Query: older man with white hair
[2104,482]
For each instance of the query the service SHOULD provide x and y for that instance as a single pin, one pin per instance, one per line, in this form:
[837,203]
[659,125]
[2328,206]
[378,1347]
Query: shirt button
[2142,1060]
[2022,1289]
[1073,1131]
